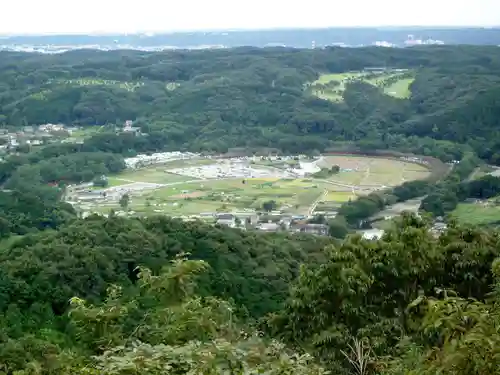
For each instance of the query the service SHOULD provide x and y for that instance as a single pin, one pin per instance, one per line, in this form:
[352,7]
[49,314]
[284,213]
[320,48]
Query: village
[200,170]
[267,193]
[33,136]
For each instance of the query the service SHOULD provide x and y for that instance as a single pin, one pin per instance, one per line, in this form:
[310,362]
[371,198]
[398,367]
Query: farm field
[155,189]
[331,86]
[193,198]
[476,214]
[236,195]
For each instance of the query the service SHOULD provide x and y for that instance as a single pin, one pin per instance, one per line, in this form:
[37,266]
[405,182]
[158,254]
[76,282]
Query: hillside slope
[259,97]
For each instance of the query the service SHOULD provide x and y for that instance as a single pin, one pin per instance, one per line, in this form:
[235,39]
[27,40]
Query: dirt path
[403,180]
[316,202]
[473,175]
[366,176]
[125,180]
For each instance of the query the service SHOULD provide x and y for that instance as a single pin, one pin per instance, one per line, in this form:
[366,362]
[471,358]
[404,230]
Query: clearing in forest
[129,86]
[331,86]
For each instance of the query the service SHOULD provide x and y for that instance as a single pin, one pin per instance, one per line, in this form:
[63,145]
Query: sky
[128,16]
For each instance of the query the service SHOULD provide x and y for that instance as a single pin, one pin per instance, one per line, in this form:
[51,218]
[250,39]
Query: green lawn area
[333,93]
[190,198]
[383,224]
[86,132]
[227,195]
[476,214]
[115,181]
[339,196]
[155,175]
[324,89]
[400,89]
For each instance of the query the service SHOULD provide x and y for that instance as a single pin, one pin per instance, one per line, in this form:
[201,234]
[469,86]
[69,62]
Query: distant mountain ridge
[298,38]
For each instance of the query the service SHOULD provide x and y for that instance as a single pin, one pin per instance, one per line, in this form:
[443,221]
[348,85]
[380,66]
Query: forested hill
[155,295]
[121,296]
[212,99]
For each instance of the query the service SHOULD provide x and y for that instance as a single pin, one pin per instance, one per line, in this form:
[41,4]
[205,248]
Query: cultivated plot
[226,195]
[180,195]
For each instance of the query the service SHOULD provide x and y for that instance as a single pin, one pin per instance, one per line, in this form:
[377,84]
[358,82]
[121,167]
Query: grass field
[191,198]
[223,195]
[476,214]
[184,196]
[339,196]
[400,89]
[361,170]
[156,175]
[86,132]
[331,86]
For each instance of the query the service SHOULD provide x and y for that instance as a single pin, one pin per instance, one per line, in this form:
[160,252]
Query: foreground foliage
[410,303]
[162,327]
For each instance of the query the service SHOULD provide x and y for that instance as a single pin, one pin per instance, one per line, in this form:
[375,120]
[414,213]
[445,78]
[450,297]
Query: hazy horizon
[158,32]
[32,17]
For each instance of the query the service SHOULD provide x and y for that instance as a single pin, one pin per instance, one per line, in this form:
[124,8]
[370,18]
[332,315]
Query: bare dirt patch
[194,194]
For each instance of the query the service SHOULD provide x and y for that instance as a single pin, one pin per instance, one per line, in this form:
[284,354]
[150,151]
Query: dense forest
[156,295]
[160,296]
[250,97]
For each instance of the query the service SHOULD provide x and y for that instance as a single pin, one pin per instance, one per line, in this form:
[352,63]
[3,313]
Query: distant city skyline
[29,17]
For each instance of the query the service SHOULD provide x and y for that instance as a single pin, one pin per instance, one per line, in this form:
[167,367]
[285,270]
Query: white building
[373,234]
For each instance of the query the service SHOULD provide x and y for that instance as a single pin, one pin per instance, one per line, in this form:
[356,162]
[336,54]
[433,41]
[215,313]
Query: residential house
[268,227]
[226,219]
[285,222]
[438,228]
[51,127]
[319,229]
[128,128]
[373,234]
[249,217]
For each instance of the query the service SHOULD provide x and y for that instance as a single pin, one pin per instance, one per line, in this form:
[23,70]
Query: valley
[205,187]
